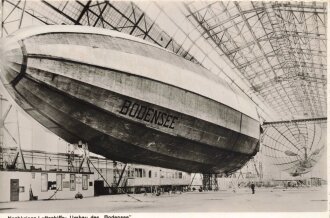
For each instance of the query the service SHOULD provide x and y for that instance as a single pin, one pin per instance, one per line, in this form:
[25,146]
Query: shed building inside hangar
[64,175]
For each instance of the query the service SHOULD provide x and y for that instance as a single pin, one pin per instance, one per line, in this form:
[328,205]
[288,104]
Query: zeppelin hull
[126,140]
[126,116]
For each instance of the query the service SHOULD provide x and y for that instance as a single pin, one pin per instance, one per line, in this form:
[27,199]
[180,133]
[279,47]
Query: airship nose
[11,60]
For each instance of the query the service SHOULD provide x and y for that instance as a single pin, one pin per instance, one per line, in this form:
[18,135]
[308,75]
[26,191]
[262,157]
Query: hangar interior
[275,53]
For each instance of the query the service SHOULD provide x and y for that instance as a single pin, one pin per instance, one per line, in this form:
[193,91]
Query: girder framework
[279,48]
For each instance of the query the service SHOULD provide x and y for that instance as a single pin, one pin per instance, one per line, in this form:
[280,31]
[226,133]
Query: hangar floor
[265,200]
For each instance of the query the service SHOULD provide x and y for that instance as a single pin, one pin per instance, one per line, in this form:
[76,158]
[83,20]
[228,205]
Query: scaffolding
[210,182]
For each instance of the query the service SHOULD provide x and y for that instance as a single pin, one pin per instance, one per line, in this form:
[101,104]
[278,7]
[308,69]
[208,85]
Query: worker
[252,187]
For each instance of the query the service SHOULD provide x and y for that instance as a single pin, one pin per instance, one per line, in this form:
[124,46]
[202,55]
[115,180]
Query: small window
[143,173]
[59,182]
[44,182]
[72,182]
[84,182]
[149,173]
[139,172]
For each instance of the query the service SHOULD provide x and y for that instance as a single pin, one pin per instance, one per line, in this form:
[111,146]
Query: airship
[128,99]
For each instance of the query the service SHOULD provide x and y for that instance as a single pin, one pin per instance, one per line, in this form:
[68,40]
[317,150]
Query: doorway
[14,190]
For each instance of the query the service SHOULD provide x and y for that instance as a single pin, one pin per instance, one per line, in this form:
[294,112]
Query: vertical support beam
[210,182]
[58,162]
[85,157]
[207,182]
[106,168]
[1,122]
[19,141]
[70,160]
[45,162]
[215,182]
[261,171]
[2,21]
[256,168]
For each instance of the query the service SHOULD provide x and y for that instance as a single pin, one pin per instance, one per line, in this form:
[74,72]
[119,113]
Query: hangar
[234,91]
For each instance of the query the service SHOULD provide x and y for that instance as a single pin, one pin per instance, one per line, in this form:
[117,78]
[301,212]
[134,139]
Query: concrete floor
[265,200]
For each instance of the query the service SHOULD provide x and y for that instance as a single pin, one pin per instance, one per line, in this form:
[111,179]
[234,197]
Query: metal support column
[19,141]
[2,21]
[210,182]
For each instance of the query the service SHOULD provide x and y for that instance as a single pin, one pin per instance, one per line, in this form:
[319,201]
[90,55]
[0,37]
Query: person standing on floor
[252,187]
